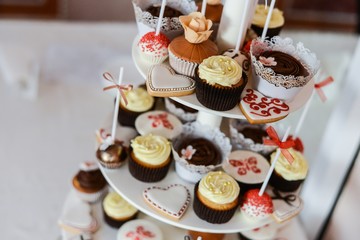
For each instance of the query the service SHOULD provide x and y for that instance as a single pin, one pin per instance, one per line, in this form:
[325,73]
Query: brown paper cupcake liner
[271,32]
[208,214]
[282,184]
[218,98]
[117,223]
[146,174]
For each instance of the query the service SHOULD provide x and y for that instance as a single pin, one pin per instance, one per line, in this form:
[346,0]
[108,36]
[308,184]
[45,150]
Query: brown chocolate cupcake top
[169,12]
[91,179]
[199,151]
[284,64]
[256,134]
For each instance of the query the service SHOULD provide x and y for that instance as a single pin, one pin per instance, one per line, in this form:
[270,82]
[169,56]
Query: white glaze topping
[117,207]
[277,18]
[295,171]
[138,100]
[219,187]
[220,70]
[151,149]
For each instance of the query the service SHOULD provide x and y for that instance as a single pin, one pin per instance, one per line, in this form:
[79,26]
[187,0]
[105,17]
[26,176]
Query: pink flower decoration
[188,152]
[270,61]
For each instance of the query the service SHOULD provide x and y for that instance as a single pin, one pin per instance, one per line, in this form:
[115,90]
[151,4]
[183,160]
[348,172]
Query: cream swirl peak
[221,70]
[151,149]
[138,100]
[291,172]
[277,18]
[219,187]
[117,207]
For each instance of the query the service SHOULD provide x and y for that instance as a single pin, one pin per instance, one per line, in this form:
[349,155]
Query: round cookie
[139,229]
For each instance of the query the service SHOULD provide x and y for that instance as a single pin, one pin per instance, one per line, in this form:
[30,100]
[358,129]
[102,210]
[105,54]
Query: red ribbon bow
[321,84]
[275,141]
[110,78]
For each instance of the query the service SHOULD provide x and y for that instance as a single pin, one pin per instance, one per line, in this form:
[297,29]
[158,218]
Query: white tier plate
[191,100]
[132,190]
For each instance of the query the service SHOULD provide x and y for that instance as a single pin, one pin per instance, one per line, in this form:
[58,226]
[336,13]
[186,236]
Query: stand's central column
[211,120]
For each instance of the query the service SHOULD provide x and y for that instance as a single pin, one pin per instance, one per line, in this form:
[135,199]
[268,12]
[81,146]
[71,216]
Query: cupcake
[117,210]
[89,183]
[198,150]
[216,197]
[248,168]
[111,154]
[139,101]
[219,83]
[280,69]
[205,235]
[153,48]
[184,113]
[288,177]
[139,229]
[187,52]
[246,136]
[276,21]
[213,12]
[147,13]
[150,158]
[256,207]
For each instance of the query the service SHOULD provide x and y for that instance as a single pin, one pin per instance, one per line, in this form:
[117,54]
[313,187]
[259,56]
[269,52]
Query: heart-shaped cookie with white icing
[172,200]
[260,109]
[162,81]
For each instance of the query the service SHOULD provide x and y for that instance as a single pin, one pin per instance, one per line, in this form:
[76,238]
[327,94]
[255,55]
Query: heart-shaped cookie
[172,200]
[162,81]
[260,109]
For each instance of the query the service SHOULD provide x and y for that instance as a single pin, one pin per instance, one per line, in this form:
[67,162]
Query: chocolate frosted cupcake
[89,183]
[219,83]
[288,177]
[216,197]
[150,158]
[276,21]
[117,210]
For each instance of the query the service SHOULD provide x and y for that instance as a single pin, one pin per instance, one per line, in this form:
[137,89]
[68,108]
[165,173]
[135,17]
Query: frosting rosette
[261,12]
[151,149]
[221,70]
[139,100]
[219,187]
[196,27]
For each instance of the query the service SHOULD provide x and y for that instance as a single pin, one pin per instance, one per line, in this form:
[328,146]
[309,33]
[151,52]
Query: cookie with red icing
[260,109]
[140,230]
[255,206]
[154,48]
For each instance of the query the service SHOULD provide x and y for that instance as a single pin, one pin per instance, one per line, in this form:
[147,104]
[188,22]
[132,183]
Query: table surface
[43,140]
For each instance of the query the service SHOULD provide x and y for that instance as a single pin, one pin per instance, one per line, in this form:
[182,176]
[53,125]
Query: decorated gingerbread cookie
[172,200]
[139,230]
[158,123]
[260,109]
[158,83]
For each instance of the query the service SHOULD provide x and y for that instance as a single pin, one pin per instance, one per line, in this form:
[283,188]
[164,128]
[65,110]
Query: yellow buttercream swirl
[151,149]
[196,27]
[117,207]
[291,172]
[219,187]
[138,100]
[277,17]
[220,70]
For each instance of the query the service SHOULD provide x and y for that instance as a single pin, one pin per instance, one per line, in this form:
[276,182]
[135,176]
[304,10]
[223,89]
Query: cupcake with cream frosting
[188,51]
[219,83]
[150,158]
[288,177]
[117,210]
[216,197]
[139,101]
[276,21]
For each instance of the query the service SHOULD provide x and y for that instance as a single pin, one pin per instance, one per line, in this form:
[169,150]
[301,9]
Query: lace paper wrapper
[240,142]
[180,113]
[285,45]
[170,26]
[194,130]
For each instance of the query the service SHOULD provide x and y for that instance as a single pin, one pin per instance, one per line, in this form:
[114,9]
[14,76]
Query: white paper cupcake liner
[182,66]
[92,197]
[152,58]
[180,113]
[240,142]
[193,173]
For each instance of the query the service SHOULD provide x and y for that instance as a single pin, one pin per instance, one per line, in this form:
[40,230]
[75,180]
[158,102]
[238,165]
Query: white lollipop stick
[203,7]
[116,111]
[268,20]
[162,10]
[243,26]
[266,4]
[278,151]
[303,115]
